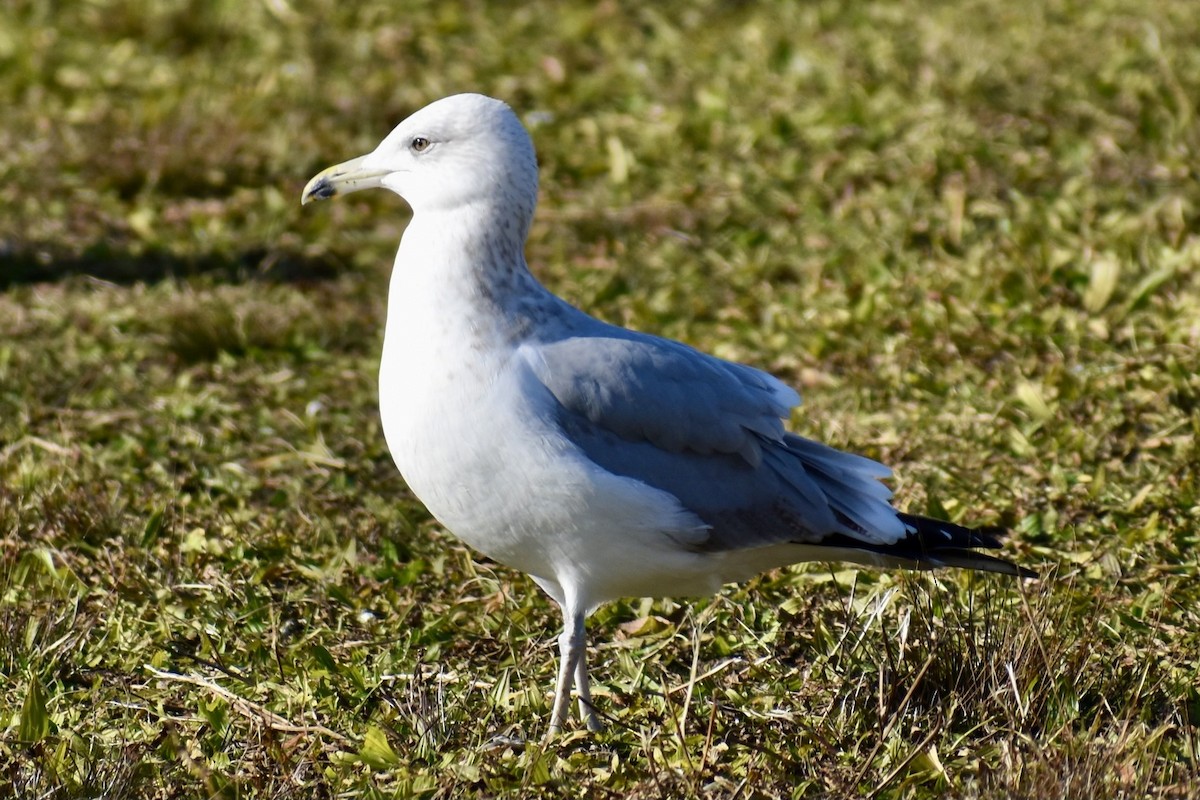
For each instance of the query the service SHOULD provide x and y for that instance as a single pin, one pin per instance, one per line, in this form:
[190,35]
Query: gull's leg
[571,653]
[587,712]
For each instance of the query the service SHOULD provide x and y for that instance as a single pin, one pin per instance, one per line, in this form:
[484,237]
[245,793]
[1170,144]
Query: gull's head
[457,151]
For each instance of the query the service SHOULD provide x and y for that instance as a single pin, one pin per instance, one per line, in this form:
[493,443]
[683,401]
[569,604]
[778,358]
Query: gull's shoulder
[644,387]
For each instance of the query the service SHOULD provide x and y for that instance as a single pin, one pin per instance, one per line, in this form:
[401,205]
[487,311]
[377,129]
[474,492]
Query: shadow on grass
[41,265]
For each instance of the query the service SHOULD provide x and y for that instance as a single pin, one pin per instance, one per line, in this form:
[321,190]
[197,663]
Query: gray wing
[710,432]
[643,388]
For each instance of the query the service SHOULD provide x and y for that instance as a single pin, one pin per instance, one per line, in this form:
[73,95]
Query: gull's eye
[419,144]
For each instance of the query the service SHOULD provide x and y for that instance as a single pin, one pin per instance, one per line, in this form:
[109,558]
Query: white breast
[473,433]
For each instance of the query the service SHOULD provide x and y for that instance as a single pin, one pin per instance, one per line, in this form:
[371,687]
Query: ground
[967,232]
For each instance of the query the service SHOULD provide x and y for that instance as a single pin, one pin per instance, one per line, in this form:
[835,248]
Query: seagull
[602,462]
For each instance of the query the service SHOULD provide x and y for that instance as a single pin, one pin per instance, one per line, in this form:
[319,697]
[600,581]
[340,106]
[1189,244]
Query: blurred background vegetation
[967,231]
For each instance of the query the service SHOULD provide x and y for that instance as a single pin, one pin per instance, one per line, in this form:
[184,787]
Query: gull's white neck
[465,265]
[461,301]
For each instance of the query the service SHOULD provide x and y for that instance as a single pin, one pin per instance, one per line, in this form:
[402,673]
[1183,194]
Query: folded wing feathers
[868,522]
[848,484]
[625,382]
[621,384]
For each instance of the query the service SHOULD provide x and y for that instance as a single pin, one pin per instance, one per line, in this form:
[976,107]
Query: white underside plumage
[472,431]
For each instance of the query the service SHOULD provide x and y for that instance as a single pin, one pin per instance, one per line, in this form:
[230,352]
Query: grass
[967,231]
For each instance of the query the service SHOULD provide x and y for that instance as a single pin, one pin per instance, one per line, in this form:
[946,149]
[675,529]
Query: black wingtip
[933,543]
[971,559]
[938,540]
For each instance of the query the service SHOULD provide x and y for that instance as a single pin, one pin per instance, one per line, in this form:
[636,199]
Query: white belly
[477,448]
[469,459]
[472,432]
